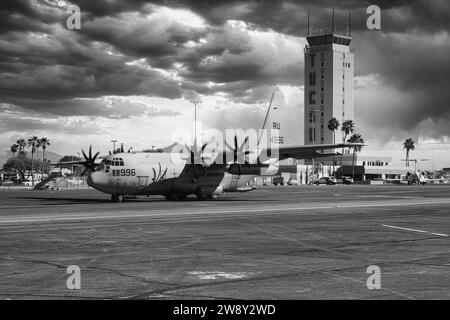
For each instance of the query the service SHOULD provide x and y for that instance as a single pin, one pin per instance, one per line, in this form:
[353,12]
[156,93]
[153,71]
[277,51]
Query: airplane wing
[309,151]
[68,163]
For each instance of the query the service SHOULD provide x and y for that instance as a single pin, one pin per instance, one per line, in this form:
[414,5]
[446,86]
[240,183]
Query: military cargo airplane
[156,173]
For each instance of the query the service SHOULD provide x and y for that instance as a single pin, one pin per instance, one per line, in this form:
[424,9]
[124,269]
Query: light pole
[79,157]
[195,103]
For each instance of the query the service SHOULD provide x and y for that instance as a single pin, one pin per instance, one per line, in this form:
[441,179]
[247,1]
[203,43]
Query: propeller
[89,161]
[240,152]
[197,156]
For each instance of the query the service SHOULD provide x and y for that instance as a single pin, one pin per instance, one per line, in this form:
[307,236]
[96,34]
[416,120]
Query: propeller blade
[245,142]
[121,147]
[84,171]
[90,152]
[95,156]
[84,155]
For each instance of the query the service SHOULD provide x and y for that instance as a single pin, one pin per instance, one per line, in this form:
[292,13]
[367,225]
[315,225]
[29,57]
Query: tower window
[322,64]
[321,77]
[312,78]
[311,98]
[312,59]
[321,89]
[312,134]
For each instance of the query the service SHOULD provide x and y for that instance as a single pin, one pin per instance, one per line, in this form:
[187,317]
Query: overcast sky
[131,70]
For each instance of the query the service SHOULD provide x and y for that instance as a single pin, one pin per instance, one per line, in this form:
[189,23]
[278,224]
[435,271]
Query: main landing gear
[175,197]
[117,198]
[182,197]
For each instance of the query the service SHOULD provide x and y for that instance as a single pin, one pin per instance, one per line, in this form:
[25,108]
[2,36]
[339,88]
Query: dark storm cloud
[45,67]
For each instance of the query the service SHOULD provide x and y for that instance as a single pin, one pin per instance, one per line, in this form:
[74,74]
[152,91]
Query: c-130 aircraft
[161,173]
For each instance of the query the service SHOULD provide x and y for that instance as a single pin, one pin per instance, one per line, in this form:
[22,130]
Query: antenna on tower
[332,22]
[325,21]
[349,23]
[308,23]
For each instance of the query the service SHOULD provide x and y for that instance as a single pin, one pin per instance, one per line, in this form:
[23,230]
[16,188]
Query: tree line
[21,163]
[348,128]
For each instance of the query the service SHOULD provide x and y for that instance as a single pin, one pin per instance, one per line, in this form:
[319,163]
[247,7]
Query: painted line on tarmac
[163,213]
[415,230]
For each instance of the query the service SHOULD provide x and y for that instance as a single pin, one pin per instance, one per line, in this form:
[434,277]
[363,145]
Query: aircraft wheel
[169,197]
[117,198]
[180,197]
[213,196]
[201,197]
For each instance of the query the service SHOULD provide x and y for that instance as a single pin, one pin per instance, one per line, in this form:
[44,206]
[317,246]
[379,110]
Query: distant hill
[53,157]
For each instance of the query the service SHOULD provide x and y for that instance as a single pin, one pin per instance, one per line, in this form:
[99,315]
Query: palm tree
[44,142]
[14,149]
[348,127]
[38,145]
[333,125]
[22,144]
[408,145]
[32,142]
[355,138]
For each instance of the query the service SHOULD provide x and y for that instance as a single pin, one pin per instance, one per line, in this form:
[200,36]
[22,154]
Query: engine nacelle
[253,169]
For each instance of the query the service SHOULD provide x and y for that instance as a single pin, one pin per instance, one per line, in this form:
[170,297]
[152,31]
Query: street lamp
[195,103]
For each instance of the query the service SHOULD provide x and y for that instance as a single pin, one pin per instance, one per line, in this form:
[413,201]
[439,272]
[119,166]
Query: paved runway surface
[303,242]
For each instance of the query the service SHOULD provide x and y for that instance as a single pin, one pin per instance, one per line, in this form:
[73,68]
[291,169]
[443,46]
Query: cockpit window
[117,162]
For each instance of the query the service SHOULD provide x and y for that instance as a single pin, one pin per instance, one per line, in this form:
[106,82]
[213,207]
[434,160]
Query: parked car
[278,181]
[7,183]
[325,180]
[293,182]
[347,180]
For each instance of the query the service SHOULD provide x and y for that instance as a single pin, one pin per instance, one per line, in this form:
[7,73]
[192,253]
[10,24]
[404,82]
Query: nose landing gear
[117,197]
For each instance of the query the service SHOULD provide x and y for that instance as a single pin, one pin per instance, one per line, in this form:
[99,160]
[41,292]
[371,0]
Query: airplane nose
[96,179]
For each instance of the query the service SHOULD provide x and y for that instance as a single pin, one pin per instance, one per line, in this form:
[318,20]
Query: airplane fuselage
[157,174]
